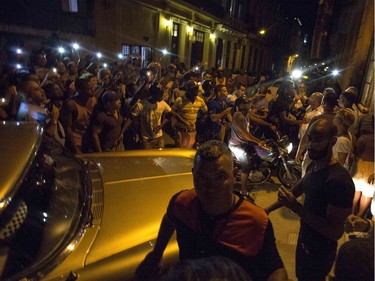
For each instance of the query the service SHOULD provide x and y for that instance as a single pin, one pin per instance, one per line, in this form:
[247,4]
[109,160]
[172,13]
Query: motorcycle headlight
[289,148]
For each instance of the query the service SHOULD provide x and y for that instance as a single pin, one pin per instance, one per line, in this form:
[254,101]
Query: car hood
[137,186]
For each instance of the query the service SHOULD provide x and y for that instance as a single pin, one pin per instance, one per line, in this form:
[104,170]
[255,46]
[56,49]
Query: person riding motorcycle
[242,142]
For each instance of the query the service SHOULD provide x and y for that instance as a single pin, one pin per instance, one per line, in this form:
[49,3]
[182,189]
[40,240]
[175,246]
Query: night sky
[305,10]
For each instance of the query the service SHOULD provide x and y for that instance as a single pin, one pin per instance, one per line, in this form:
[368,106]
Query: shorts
[363,170]
[244,155]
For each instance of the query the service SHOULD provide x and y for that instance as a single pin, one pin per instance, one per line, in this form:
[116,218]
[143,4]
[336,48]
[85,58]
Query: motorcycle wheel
[259,176]
[295,175]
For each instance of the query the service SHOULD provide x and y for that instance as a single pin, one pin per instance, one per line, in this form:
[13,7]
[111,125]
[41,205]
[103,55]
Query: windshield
[45,214]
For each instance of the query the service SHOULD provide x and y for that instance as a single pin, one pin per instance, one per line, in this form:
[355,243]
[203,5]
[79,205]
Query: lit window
[199,36]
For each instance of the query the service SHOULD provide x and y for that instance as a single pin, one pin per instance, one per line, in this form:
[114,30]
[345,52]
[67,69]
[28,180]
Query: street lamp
[262,31]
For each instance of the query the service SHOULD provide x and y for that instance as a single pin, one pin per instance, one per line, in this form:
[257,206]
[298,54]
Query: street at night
[160,140]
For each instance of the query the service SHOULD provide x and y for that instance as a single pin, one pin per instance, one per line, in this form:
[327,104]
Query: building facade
[233,34]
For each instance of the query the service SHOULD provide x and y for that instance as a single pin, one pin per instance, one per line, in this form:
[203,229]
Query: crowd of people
[89,108]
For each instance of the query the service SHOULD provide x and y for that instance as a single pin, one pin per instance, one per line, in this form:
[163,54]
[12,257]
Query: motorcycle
[275,160]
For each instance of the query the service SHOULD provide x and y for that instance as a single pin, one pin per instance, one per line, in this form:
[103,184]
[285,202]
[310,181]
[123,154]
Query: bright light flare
[105,65]
[120,56]
[75,46]
[335,72]
[19,51]
[18,66]
[164,51]
[61,50]
[262,31]
[296,74]
[289,148]
[99,55]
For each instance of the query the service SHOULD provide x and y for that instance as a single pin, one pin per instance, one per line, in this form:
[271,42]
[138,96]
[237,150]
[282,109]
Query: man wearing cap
[105,129]
[188,107]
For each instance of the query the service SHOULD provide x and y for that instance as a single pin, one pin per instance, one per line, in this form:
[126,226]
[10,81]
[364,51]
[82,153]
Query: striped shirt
[189,110]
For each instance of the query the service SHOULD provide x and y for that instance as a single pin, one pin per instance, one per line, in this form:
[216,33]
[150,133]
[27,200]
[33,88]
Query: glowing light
[296,73]
[164,51]
[61,50]
[120,56]
[168,23]
[18,66]
[262,31]
[45,214]
[189,30]
[105,65]
[290,148]
[99,55]
[18,51]
[54,69]
[71,247]
[75,46]
[335,72]
[212,36]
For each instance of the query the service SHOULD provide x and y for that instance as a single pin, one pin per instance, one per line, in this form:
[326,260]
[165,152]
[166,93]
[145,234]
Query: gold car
[89,218]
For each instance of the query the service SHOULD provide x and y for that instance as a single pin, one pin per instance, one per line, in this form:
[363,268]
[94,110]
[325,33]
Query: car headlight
[289,148]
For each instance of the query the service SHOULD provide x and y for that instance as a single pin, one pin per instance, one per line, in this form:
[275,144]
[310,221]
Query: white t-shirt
[343,145]
[150,117]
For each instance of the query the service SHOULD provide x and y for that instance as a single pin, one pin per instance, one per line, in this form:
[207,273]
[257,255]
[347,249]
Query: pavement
[285,224]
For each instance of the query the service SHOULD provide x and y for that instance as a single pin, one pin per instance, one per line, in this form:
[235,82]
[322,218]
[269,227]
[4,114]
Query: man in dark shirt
[329,192]
[218,110]
[210,220]
[282,106]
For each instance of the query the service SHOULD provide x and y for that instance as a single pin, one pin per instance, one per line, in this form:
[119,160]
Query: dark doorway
[219,53]
[243,56]
[175,42]
[197,48]
[227,57]
[235,50]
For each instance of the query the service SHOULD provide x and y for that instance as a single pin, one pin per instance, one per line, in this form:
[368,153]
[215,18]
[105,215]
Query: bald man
[329,191]
[315,108]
